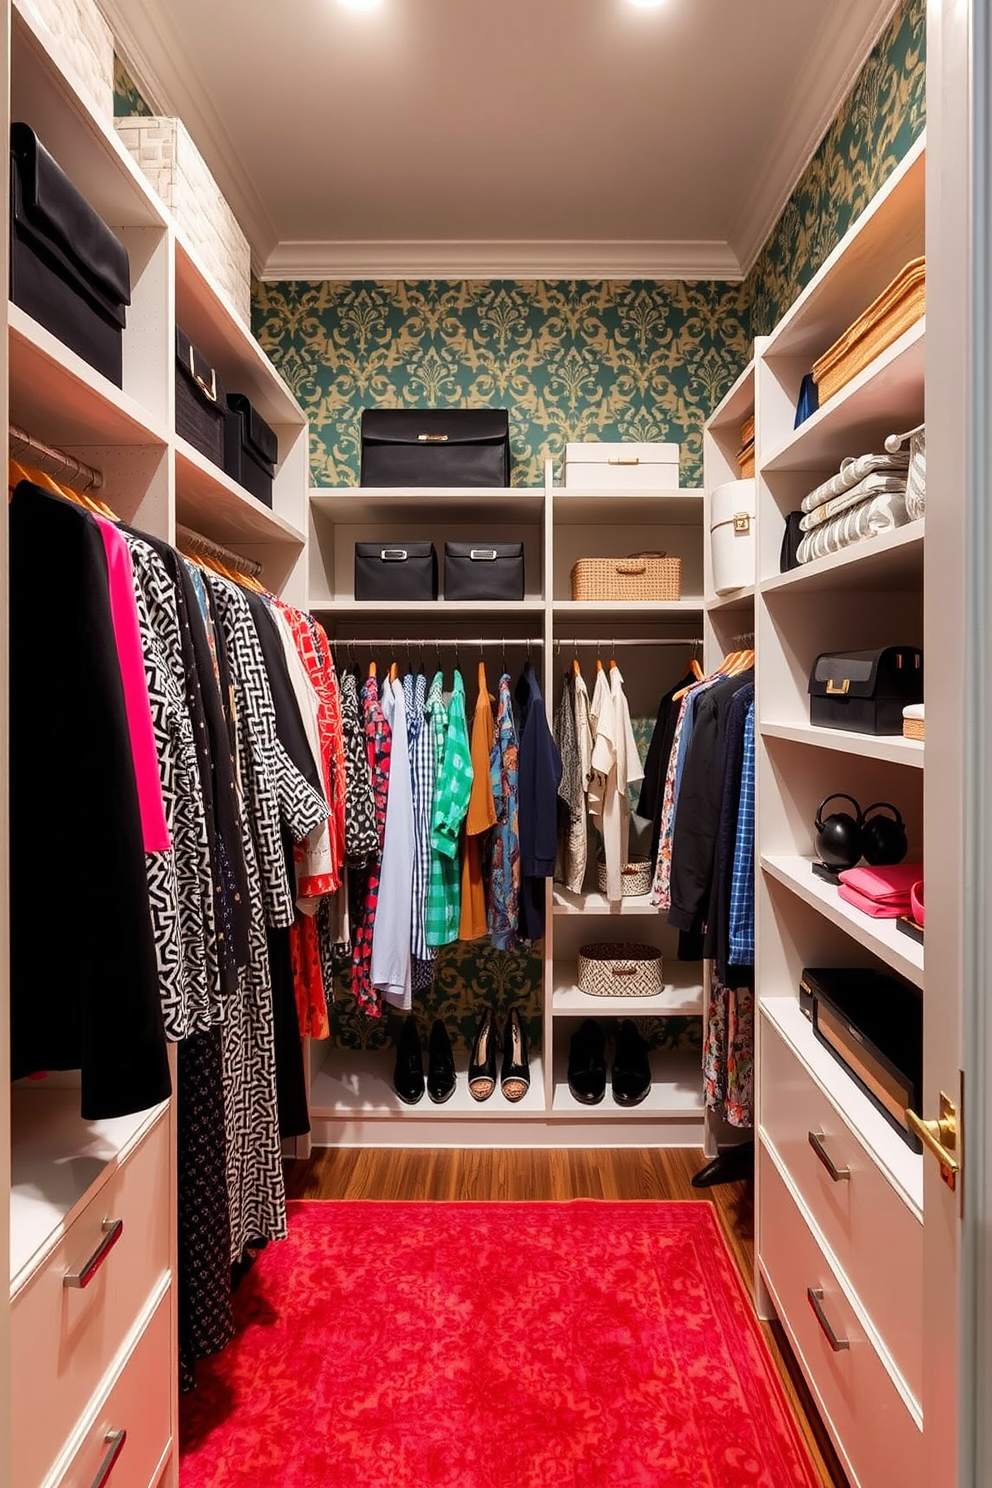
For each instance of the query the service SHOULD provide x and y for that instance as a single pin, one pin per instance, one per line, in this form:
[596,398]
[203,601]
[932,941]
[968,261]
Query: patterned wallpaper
[879,120]
[127,95]
[571,360]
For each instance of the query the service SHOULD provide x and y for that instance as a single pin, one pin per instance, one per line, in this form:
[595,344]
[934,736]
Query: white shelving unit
[816,1225]
[68,1176]
[351,1096]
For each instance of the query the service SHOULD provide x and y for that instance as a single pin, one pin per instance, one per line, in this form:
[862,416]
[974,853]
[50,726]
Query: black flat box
[435,447]
[865,691]
[481,570]
[67,269]
[397,570]
[251,448]
[201,402]
[872,1023]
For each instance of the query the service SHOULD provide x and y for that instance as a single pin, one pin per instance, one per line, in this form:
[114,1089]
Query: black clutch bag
[251,448]
[201,405]
[67,269]
[484,570]
[865,691]
[435,447]
[399,570]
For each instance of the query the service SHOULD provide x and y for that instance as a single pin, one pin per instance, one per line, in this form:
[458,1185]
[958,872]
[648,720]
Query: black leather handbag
[435,447]
[201,403]
[481,570]
[395,570]
[251,448]
[865,691]
[67,269]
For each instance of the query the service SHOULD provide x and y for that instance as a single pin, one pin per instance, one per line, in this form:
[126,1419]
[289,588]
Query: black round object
[883,838]
[838,837]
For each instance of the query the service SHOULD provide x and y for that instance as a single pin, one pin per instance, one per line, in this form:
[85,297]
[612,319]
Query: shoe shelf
[903,1167]
[676,1091]
[360,1084]
[682,996]
[892,748]
[880,937]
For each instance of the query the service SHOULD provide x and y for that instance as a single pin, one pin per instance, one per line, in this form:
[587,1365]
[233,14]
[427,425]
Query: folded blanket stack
[866,496]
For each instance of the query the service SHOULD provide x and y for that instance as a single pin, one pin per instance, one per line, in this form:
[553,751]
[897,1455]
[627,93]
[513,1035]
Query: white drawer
[137,1404]
[64,1338]
[878,1440]
[876,1240]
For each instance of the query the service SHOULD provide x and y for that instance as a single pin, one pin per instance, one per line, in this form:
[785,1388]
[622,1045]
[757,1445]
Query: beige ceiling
[501,137]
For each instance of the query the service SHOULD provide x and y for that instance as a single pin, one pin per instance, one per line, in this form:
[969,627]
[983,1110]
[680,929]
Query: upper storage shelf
[353,504]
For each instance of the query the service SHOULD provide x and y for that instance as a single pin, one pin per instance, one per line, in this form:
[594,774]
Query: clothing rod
[615,641]
[432,642]
[186,537]
[75,473]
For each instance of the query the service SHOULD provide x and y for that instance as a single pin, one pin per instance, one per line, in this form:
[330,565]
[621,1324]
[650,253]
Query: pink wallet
[883,893]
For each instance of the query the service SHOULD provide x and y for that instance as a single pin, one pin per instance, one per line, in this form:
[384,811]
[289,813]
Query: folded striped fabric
[876,484]
[879,514]
[850,473]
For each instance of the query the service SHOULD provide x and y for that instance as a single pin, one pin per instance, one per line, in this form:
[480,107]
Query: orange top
[473,922]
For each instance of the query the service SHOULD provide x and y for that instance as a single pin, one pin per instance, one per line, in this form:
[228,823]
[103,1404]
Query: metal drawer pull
[115,1445]
[814,1296]
[839,1175]
[486,554]
[113,1229]
[393,555]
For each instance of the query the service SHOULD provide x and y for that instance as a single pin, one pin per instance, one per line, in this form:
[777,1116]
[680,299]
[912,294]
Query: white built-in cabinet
[351,1094]
[92,1394]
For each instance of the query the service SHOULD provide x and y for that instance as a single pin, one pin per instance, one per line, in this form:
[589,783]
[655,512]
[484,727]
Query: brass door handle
[941,1136]
[839,1175]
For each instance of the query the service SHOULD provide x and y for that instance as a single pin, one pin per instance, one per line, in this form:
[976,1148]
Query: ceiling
[501,138]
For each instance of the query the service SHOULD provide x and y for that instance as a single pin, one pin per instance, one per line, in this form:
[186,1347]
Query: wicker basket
[642,577]
[620,969]
[635,877]
[914,725]
[898,307]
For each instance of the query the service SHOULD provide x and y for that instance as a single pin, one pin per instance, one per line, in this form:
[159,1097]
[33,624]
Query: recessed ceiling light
[647,4]
[360,4]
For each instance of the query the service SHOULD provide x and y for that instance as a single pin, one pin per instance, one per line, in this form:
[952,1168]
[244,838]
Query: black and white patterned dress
[274,792]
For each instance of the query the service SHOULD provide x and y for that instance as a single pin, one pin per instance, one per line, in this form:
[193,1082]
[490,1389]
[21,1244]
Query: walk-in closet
[496,809]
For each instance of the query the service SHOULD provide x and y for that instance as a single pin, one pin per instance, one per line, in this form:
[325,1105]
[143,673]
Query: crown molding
[143,31]
[811,109]
[519,259]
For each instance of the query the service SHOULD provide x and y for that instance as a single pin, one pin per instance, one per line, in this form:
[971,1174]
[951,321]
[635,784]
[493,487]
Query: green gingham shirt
[452,788]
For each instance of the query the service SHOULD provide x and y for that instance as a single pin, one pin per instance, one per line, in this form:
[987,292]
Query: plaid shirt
[452,788]
[742,881]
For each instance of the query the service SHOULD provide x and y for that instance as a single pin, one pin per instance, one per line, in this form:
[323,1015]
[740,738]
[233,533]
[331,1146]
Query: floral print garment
[378,743]
[728,1054]
[504,883]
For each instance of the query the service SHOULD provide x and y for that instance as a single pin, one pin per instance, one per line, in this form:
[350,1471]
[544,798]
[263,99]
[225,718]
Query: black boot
[515,1075]
[408,1077]
[587,1063]
[631,1067]
[482,1066]
[440,1065]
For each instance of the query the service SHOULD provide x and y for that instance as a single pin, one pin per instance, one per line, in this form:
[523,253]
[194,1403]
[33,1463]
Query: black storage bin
[251,449]
[67,269]
[872,1023]
[398,570]
[481,570]
[201,404]
[865,691]
[435,447]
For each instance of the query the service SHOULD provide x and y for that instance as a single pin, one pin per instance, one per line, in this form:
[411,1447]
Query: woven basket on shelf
[620,969]
[635,877]
[900,305]
[642,576]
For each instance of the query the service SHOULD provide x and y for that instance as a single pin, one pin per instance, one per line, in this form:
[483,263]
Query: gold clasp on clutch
[432,438]
[838,689]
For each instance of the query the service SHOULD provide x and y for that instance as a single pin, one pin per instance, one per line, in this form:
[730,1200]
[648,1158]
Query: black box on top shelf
[872,1024]
[201,403]
[251,448]
[435,447]
[67,269]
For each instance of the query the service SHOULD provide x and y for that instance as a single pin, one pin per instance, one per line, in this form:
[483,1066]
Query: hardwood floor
[650,1173]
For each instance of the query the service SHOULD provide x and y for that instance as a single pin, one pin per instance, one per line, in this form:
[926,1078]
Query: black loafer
[440,1065]
[482,1065]
[587,1063]
[408,1077]
[631,1066]
[514,1077]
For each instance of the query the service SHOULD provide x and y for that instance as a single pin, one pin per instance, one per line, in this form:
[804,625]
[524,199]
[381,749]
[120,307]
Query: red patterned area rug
[496,1345]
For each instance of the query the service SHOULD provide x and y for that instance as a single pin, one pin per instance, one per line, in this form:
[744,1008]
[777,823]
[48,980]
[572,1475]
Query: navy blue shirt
[539,773]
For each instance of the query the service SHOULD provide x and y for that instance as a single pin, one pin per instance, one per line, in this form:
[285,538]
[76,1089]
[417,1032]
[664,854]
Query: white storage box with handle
[621,467]
[732,535]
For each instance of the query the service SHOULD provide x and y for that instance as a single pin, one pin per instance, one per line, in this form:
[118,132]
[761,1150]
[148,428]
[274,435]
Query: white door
[958,813]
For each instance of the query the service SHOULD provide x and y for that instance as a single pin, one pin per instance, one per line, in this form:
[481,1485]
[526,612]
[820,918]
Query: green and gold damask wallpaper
[879,120]
[570,359]
[128,100]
